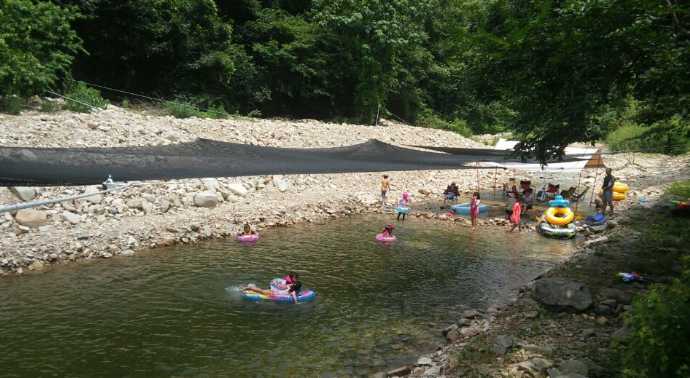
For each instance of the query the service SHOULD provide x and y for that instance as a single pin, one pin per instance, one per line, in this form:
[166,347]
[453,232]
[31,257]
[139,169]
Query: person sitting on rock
[451,193]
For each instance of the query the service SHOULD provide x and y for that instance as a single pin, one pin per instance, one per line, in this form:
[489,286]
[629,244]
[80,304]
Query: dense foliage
[658,345]
[37,46]
[553,72]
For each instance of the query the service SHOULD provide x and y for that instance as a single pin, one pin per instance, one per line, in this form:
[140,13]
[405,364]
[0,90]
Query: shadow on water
[178,312]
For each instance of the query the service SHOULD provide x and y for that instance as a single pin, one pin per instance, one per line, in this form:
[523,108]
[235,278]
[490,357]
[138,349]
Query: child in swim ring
[388,230]
[247,230]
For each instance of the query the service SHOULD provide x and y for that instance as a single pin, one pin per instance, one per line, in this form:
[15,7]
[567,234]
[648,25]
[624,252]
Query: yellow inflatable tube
[619,187]
[618,196]
[559,215]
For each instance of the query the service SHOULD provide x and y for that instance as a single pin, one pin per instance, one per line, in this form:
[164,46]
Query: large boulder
[562,293]
[24,193]
[206,199]
[237,189]
[31,217]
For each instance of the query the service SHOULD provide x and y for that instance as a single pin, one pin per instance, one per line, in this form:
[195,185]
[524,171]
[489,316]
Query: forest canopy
[551,72]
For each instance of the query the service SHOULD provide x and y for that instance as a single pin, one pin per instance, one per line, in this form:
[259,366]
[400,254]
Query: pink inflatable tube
[385,239]
[248,238]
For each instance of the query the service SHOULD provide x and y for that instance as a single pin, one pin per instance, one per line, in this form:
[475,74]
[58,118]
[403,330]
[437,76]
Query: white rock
[24,193]
[165,206]
[211,184]
[136,203]
[132,242]
[31,217]
[205,199]
[71,217]
[237,189]
[280,182]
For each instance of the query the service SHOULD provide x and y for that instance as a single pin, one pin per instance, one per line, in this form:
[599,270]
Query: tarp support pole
[594,184]
[577,188]
[495,181]
[478,185]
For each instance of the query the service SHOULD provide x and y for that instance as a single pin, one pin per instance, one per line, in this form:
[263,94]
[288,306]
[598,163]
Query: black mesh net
[207,158]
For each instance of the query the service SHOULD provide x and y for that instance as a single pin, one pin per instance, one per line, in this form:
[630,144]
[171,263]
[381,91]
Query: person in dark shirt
[295,288]
[451,193]
[607,189]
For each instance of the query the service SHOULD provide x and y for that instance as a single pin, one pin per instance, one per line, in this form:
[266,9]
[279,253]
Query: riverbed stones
[280,183]
[71,217]
[24,193]
[211,184]
[573,367]
[535,366]
[205,199]
[237,189]
[136,203]
[502,344]
[471,314]
[562,293]
[95,197]
[31,218]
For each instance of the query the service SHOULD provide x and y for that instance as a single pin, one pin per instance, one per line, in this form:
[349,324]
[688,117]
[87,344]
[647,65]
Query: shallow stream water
[177,311]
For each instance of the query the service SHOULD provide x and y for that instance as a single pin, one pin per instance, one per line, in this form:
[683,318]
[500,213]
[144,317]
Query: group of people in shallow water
[518,202]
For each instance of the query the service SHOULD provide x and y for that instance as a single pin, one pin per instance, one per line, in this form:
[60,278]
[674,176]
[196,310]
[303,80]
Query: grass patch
[12,104]
[670,136]
[83,99]
[48,106]
[185,109]
[680,188]
[431,120]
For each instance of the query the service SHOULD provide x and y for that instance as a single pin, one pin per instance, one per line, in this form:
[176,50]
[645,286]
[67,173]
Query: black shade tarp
[207,158]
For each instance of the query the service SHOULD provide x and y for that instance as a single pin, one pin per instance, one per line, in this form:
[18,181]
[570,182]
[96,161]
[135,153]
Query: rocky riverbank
[153,214]
[162,213]
[569,322]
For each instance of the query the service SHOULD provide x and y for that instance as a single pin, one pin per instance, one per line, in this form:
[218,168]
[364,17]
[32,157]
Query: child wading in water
[474,209]
[385,187]
[403,202]
[515,216]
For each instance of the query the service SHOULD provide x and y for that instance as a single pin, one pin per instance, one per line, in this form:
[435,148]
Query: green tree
[375,47]
[556,63]
[37,46]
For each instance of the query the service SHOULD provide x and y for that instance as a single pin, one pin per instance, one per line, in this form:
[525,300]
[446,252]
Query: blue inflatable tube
[464,208]
[559,201]
[402,210]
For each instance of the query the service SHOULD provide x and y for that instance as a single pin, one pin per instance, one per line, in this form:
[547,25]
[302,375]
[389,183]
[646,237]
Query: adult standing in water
[385,187]
[607,188]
